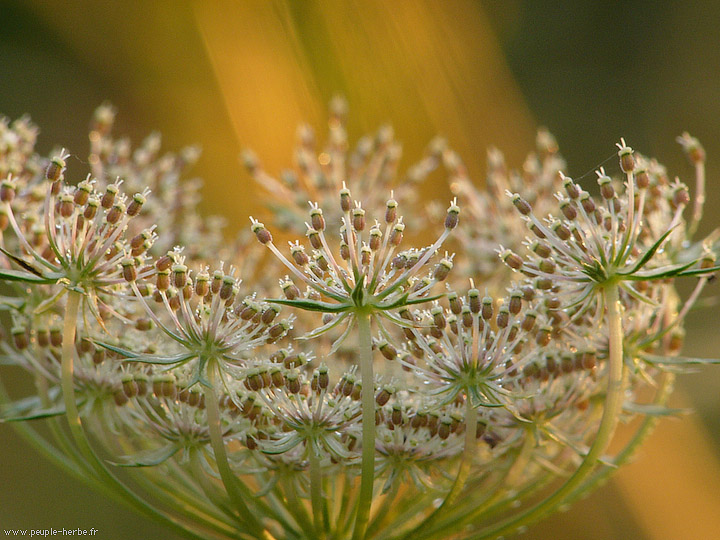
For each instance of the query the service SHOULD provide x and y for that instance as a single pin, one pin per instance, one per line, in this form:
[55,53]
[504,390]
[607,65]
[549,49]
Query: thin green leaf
[149,458]
[650,252]
[17,260]
[648,409]
[162,360]
[26,277]
[678,360]
[12,302]
[37,415]
[114,348]
[700,271]
[660,273]
[312,305]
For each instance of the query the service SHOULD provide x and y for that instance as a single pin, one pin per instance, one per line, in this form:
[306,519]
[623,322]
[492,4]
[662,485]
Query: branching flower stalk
[388,404]
[370,285]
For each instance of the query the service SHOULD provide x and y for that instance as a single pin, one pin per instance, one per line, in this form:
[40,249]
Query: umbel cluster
[357,382]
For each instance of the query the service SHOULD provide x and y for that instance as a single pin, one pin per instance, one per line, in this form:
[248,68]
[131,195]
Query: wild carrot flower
[455,416]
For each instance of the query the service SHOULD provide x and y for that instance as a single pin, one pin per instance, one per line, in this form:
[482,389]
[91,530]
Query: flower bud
[136,204]
[316,219]
[391,210]
[443,269]
[128,269]
[115,213]
[261,233]
[8,189]
[375,238]
[625,153]
[314,238]
[521,204]
[387,350]
[397,233]
[109,197]
[345,199]
[55,168]
[289,289]
[453,215]
[513,260]
[179,272]
[606,188]
[358,218]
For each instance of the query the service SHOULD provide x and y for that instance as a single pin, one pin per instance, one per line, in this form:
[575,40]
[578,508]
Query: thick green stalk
[367,476]
[611,413]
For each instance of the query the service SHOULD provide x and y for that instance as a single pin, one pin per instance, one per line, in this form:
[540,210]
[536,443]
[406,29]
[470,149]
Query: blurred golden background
[227,74]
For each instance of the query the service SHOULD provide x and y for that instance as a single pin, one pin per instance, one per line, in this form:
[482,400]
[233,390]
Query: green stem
[221,460]
[207,488]
[367,476]
[638,438]
[102,474]
[463,470]
[316,492]
[492,495]
[297,508]
[382,512]
[344,515]
[611,413]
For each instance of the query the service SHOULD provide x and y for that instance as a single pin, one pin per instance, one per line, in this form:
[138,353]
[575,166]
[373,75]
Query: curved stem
[226,475]
[104,476]
[367,477]
[493,494]
[638,438]
[382,512]
[463,470]
[297,508]
[611,412]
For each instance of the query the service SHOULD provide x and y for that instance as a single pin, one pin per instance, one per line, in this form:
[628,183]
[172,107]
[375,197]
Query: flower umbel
[399,410]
